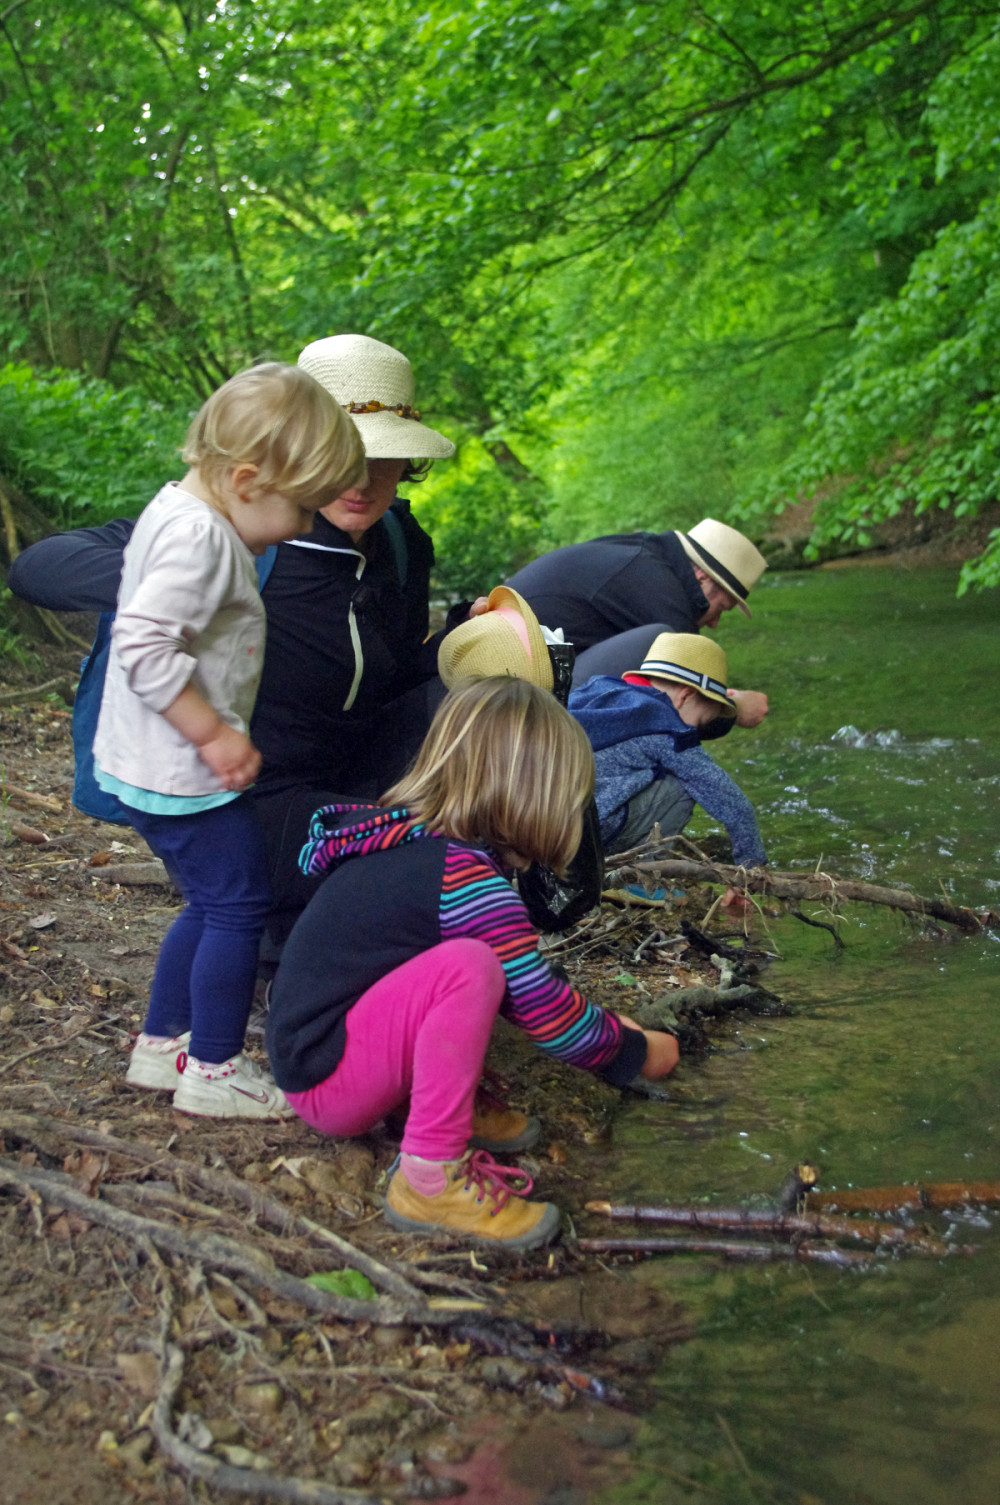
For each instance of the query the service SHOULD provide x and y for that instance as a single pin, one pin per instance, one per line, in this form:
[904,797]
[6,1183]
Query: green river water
[805,1384]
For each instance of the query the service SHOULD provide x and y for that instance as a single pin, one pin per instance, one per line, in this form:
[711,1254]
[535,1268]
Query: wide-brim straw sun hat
[374,383]
[505,639]
[688,659]
[730,559]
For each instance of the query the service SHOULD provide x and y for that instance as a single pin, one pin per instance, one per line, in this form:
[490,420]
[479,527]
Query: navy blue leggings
[207,965]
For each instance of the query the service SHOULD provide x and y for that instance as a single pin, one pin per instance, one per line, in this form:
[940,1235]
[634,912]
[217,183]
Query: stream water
[808,1385]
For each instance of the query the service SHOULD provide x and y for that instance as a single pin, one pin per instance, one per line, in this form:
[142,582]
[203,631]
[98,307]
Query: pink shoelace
[494,1180]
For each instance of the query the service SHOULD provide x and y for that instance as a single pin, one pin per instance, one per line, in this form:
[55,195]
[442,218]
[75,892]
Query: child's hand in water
[662,1051]
[232,757]
[736,902]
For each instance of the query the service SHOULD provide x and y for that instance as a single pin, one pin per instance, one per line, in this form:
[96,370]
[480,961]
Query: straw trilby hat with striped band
[505,639]
[375,385]
[730,559]
[687,659]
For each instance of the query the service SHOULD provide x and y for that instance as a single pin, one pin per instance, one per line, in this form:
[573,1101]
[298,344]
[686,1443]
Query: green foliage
[911,415]
[627,246]
[13,649]
[483,520]
[82,450]
[344,1283]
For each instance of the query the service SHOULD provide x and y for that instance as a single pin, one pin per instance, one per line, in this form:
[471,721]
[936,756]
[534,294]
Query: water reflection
[807,1385]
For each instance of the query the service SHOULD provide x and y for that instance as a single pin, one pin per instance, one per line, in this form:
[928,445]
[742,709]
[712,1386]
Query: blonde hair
[281,420]
[502,766]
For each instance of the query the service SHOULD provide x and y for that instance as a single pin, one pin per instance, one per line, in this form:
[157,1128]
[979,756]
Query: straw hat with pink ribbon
[505,639]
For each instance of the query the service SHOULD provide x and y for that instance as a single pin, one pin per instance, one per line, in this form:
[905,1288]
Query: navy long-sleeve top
[598,589]
[394,890]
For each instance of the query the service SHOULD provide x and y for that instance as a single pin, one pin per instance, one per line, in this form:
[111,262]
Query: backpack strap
[265,564]
[397,537]
[88,795]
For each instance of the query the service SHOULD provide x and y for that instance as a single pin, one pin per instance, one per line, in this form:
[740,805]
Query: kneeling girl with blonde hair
[392,977]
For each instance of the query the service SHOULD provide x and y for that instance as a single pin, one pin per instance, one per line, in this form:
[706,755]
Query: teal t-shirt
[161,804]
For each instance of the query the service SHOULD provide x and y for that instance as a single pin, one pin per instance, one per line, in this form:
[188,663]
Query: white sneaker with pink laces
[154,1061]
[236,1088]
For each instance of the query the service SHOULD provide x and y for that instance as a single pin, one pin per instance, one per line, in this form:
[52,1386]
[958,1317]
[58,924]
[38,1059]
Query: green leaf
[344,1283]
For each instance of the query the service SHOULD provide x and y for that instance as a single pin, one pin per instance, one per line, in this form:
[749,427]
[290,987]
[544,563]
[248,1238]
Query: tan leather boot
[499,1128]
[477,1200]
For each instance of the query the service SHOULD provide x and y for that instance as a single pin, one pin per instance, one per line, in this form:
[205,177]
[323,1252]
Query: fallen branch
[41,1131]
[819,886]
[934,1196]
[134,874]
[15,796]
[728,1248]
[819,925]
[207,1466]
[39,692]
[216,1252]
[16,830]
[35,1050]
[781,1224]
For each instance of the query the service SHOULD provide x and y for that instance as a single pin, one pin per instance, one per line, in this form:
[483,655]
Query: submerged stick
[782,1224]
[728,1248]
[821,886]
[932,1196]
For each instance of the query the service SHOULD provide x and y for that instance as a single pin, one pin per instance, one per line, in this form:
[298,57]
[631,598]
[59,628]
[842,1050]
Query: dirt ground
[158,1339]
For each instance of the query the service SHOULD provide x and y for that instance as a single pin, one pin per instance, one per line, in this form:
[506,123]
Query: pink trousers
[421,1033]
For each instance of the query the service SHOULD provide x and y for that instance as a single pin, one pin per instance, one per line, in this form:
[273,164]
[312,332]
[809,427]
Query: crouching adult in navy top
[344,695]
[612,596]
[367,1016]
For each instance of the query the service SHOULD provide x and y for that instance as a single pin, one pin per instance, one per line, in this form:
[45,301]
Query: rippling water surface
[809,1385]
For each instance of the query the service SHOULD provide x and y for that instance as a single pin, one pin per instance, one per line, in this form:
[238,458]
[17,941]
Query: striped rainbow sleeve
[478,902]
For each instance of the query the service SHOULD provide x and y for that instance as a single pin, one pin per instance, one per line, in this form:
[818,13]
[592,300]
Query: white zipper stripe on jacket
[352,621]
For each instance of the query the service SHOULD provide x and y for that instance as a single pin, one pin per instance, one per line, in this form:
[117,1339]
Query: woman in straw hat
[612,596]
[343,699]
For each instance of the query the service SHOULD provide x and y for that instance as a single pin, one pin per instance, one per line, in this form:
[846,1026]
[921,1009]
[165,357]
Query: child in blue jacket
[645,732]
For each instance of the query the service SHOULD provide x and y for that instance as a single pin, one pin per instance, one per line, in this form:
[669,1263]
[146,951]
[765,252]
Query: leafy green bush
[911,416]
[82,451]
[484,523]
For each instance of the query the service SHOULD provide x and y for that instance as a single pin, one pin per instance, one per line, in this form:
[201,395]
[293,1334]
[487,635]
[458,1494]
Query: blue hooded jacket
[638,737]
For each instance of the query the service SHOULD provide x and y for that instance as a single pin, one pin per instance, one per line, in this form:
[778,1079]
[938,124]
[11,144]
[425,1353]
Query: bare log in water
[728,1248]
[758,1221]
[932,1196]
[819,886]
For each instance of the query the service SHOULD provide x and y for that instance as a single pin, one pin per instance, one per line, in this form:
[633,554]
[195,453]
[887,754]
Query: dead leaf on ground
[87,1168]
[66,1224]
[141,1372]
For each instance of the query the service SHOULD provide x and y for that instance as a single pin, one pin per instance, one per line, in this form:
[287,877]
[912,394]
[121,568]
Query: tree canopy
[650,261]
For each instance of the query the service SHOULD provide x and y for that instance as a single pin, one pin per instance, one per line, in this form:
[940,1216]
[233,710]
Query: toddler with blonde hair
[265,452]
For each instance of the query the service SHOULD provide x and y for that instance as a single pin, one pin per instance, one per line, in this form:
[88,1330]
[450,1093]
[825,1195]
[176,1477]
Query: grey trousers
[665,801]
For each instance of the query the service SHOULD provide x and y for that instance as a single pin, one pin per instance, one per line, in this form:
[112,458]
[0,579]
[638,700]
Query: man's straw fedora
[730,559]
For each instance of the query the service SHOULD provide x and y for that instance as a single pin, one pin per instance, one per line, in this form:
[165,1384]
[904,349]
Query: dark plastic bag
[555,903]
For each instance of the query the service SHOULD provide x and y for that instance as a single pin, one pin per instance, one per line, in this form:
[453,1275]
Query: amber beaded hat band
[349,365]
